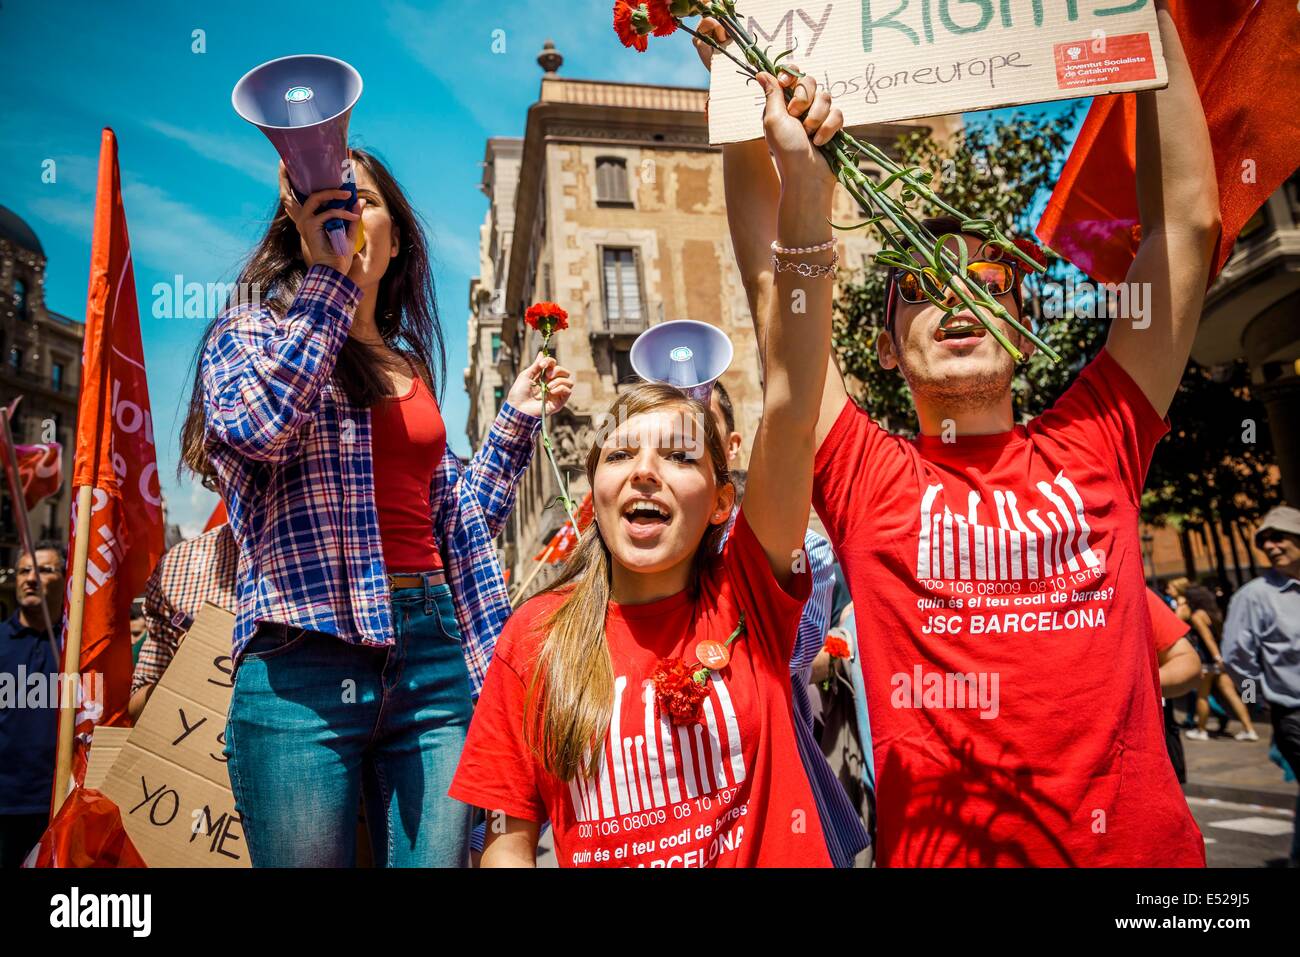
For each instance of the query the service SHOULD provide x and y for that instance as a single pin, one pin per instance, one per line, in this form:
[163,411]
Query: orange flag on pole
[218,516]
[1243,55]
[117,520]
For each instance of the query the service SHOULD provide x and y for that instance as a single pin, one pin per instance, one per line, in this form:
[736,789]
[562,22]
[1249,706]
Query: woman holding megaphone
[369,594]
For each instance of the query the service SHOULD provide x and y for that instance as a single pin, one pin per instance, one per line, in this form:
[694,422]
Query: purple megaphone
[683,353]
[302,104]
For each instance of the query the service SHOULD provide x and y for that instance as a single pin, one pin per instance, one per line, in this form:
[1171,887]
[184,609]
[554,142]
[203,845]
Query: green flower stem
[560,480]
[841,155]
[851,178]
[702,675]
[740,628]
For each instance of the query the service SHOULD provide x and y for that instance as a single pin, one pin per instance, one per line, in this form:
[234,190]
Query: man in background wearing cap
[1261,637]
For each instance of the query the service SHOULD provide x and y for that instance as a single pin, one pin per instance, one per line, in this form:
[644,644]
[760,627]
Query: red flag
[40,468]
[115,457]
[87,831]
[1237,51]
[563,541]
[218,516]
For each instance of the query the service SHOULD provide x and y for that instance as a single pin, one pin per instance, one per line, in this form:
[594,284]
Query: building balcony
[1263,272]
[602,323]
[28,379]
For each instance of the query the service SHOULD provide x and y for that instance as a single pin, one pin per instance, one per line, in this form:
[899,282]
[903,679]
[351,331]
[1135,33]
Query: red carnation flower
[627,30]
[837,647]
[1031,249]
[662,20]
[680,690]
[546,317]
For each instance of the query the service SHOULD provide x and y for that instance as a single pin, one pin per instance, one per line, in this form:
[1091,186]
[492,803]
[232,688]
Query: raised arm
[1178,202]
[262,374]
[752,187]
[796,348]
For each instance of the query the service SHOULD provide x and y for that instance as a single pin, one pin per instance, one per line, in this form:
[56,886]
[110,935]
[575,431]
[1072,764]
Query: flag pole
[540,564]
[72,652]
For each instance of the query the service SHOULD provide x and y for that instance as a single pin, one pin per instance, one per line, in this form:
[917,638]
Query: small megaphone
[685,354]
[302,104]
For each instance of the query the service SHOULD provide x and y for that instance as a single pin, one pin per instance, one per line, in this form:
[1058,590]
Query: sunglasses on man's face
[997,277]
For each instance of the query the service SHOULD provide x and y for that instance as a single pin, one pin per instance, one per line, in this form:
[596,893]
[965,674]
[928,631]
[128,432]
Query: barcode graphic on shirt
[1039,543]
[660,764]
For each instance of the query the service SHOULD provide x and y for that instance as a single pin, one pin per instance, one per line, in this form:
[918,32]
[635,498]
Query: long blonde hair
[573,676]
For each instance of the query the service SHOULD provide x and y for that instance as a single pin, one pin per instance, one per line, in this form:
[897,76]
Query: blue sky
[199,181]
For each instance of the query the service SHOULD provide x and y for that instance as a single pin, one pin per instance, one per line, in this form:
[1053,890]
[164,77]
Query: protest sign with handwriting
[887,60]
[170,780]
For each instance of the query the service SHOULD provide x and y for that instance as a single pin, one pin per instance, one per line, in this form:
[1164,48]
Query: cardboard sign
[105,745]
[887,60]
[170,780]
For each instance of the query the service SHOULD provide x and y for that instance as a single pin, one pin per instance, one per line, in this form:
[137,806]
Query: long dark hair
[406,311]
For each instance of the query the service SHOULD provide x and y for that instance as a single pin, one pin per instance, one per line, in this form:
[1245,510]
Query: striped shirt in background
[189,573]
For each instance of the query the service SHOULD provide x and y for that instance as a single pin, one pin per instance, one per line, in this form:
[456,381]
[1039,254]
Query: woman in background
[1197,607]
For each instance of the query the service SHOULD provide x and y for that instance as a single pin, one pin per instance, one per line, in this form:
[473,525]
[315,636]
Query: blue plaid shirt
[293,461]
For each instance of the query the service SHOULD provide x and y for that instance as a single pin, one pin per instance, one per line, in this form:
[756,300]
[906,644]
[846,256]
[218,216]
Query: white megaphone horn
[685,354]
[302,104]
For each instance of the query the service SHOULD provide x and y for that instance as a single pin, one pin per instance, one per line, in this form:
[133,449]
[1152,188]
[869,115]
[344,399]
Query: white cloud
[257,164]
[454,252]
[174,237]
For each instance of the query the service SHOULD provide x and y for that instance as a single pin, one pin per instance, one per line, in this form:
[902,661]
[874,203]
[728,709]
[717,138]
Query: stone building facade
[611,205]
[40,359]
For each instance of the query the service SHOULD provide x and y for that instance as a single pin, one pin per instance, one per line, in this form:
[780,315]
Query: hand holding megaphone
[311,215]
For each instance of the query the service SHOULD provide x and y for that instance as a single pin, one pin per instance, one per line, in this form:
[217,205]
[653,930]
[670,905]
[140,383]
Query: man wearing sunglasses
[1010,672]
[1261,636]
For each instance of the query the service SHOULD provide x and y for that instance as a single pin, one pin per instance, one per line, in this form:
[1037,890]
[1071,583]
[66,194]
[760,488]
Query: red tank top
[407,439]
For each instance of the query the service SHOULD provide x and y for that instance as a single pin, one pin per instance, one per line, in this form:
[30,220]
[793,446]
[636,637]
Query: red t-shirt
[1006,642]
[728,792]
[1168,627]
[407,441]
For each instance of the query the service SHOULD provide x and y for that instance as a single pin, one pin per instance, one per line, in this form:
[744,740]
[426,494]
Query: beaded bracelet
[807,270]
[801,250]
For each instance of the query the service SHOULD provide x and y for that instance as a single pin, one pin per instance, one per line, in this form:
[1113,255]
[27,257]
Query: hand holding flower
[526,392]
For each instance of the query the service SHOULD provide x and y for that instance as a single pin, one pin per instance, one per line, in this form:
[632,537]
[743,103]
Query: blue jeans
[316,722]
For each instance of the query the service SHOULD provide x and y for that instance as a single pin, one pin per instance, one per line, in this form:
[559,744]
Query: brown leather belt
[416,581]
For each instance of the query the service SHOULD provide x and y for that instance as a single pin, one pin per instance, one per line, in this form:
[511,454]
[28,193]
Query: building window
[622,282]
[496,347]
[16,359]
[56,376]
[611,181]
[20,298]
[623,371]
